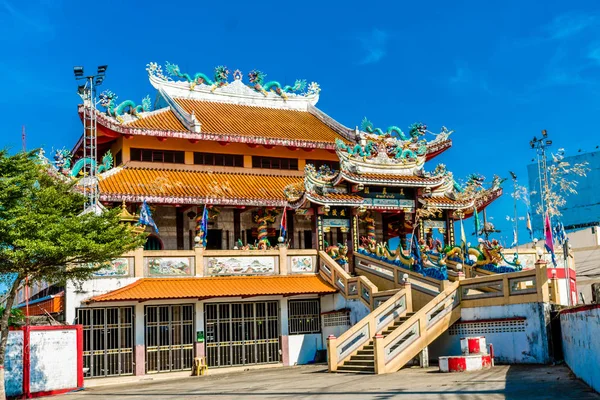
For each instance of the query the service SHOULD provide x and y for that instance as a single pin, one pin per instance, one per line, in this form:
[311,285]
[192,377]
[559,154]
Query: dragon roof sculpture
[176,83]
[390,152]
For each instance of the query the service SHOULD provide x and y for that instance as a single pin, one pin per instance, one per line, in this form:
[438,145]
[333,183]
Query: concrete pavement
[313,382]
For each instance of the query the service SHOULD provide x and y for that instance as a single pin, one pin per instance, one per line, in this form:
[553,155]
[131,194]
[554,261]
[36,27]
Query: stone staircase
[364,359]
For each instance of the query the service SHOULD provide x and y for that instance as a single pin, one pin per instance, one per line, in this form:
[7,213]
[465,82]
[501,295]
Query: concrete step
[364,357]
[370,352]
[359,363]
[356,369]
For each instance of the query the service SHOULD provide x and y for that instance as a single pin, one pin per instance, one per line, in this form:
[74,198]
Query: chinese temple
[274,228]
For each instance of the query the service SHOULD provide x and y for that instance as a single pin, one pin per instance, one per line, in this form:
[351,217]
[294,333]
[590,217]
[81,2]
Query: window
[160,156]
[274,163]
[334,165]
[118,158]
[337,318]
[304,316]
[225,160]
[153,243]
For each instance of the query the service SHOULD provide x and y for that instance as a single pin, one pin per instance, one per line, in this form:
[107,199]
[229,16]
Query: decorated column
[264,217]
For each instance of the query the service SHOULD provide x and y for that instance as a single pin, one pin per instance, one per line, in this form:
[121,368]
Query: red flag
[283,223]
[548,232]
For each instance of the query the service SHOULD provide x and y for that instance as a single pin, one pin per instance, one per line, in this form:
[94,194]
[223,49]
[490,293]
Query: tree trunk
[10,299]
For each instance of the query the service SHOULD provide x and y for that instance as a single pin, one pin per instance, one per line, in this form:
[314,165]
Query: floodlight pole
[539,145]
[514,178]
[90,134]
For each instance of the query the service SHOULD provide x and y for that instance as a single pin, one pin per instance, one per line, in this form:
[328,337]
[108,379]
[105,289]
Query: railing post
[541,280]
[199,260]
[469,271]
[138,262]
[408,296]
[332,356]
[505,289]
[283,264]
[379,353]
[554,291]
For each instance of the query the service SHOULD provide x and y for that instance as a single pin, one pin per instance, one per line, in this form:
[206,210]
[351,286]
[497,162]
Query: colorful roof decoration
[203,107]
[464,198]
[173,186]
[211,287]
[389,159]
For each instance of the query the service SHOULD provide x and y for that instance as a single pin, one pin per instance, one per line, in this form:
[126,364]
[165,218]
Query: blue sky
[495,73]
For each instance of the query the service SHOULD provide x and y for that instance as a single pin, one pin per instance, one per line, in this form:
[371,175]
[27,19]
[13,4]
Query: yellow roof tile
[194,187]
[161,120]
[224,118]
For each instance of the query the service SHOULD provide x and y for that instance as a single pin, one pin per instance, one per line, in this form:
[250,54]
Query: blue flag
[415,252]
[559,232]
[529,225]
[204,226]
[146,217]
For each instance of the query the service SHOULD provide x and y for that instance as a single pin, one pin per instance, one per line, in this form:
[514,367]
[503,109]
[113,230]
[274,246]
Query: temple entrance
[169,337]
[107,340]
[214,239]
[242,333]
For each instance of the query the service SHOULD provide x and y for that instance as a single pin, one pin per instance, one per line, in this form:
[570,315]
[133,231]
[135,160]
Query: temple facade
[276,225]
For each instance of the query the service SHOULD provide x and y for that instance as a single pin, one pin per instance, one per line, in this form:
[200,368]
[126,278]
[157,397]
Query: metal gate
[169,337]
[107,340]
[242,333]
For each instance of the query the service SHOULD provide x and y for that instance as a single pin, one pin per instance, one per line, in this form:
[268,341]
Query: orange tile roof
[443,200]
[406,179]
[226,286]
[337,198]
[159,120]
[190,187]
[224,118]
[53,305]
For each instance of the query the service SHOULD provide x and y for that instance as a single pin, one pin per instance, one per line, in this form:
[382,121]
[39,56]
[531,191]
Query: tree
[562,182]
[44,237]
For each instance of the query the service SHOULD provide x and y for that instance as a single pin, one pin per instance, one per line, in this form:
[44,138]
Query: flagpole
[514,178]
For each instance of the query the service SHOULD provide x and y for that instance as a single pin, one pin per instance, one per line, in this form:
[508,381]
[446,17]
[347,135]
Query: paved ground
[313,382]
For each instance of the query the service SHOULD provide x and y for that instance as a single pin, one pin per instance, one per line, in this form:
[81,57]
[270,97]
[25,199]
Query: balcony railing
[201,262]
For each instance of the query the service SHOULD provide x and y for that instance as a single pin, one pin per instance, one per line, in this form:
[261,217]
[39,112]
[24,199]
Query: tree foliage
[43,235]
[562,182]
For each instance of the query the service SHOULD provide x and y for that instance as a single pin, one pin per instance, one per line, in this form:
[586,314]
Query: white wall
[514,342]
[53,361]
[581,344]
[75,294]
[303,348]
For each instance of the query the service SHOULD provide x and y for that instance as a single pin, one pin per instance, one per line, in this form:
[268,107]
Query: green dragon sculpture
[357,150]
[404,153]
[257,78]
[417,130]
[63,159]
[219,79]
[339,253]
[392,131]
[108,100]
